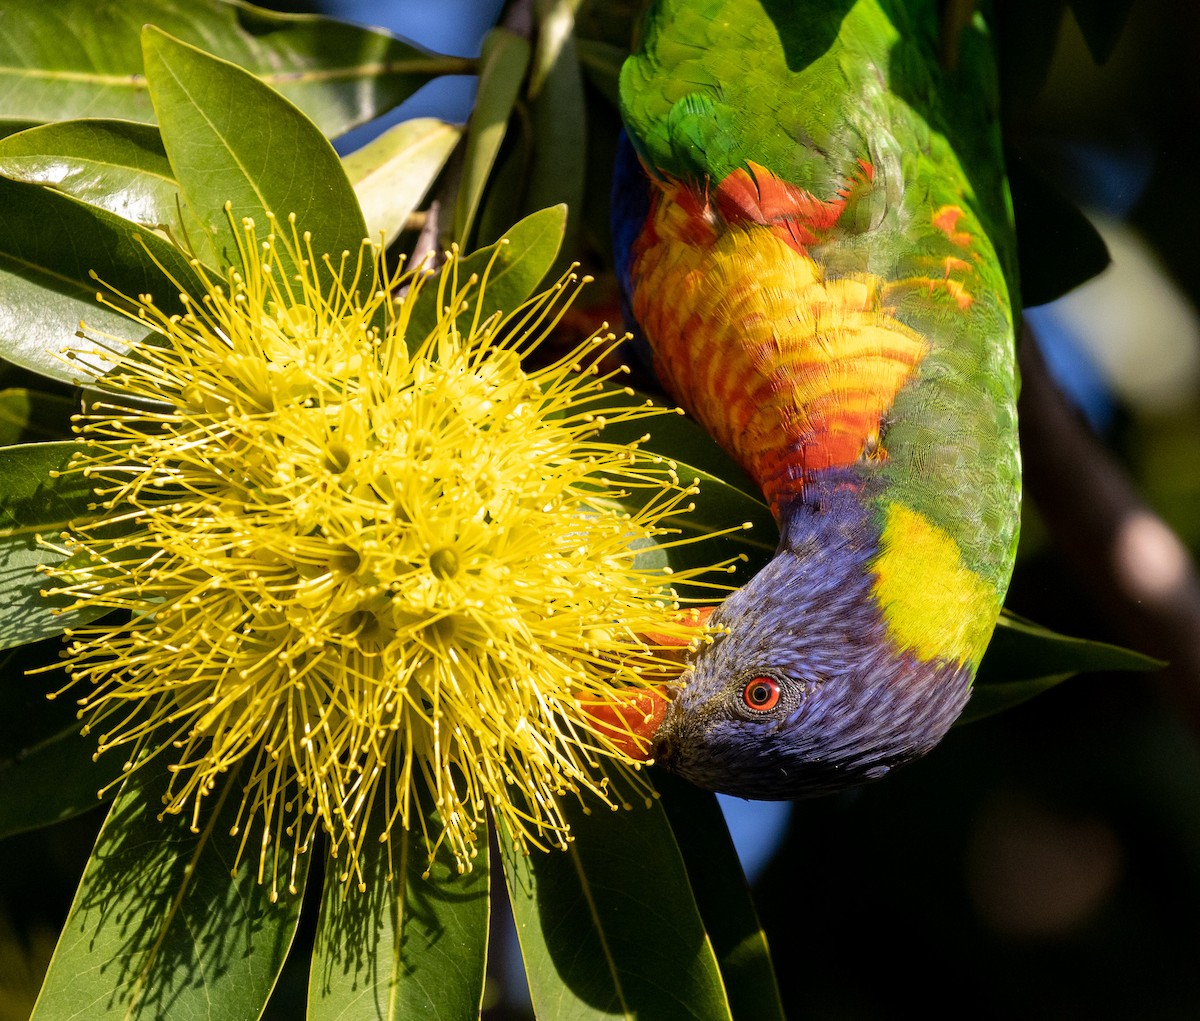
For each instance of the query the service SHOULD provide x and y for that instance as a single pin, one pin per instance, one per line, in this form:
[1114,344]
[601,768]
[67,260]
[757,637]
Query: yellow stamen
[358,563]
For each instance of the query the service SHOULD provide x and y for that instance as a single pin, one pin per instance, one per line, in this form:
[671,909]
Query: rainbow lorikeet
[814,237]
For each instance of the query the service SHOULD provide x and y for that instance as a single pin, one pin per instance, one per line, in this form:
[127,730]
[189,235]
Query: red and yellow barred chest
[789,370]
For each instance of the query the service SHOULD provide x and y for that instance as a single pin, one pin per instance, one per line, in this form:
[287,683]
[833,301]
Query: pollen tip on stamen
[260,580]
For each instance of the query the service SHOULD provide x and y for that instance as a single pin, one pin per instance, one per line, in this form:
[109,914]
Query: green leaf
[159,928]
[1057,247]
[503,62]
[48,770]
[750,538]
[727,499]
[604,128]
[1027,32]
[411,945]
[391,174]
[518,262]
[559,117]
[506,185]
[1022,649]
[32,503]
[120,166]
[1024,659]
[202,103]
[1101,22]
[49,244]
[27,416]
[11,125]
[74,58]
[990,699]
[54,779]
[723,898]
[680,438]
[601,63]
[610,925]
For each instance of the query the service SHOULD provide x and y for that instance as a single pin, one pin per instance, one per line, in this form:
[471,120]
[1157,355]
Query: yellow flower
[364,565]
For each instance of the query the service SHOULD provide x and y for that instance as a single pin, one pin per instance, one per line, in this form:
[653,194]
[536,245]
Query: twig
[426,250]
[1135,567]
[518,17]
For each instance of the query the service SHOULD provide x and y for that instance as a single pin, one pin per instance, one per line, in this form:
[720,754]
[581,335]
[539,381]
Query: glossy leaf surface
[1024,659]
[50,244]
[159,928]
[517,266]
[74,58]
[723,898]
[34,504]
[410,945]
[610,926]
[48,769]
[503,63]
[201,103]
[559,116]
[120,166]
[392,173]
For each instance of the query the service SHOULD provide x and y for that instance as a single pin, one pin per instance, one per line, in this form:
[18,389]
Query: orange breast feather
[789,370]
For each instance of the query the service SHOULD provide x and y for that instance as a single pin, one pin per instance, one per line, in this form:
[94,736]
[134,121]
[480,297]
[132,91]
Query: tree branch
[1138,571]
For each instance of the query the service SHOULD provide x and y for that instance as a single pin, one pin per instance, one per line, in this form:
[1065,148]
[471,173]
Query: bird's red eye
[761,694]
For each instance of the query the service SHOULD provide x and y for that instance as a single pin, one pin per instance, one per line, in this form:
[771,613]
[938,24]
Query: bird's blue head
[805,693]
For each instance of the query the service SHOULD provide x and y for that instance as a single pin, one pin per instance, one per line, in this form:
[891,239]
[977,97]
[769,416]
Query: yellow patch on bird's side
[932,602]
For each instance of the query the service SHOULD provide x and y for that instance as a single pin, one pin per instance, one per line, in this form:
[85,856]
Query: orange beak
[632,723]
